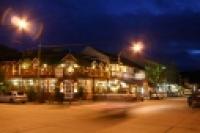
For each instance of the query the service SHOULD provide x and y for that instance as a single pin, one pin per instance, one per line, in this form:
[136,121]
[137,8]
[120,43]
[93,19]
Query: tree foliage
[154,73]
[32,95]
[59,97]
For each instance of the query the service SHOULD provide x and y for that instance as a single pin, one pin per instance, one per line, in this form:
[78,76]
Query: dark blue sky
[170,29]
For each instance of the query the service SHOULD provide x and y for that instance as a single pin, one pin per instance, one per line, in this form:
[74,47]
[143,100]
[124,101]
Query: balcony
[30,73]
[93,73]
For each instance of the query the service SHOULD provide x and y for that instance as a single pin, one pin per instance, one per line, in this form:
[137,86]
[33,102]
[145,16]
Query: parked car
[194,98]
[13,97]
[187,92]
[156,96]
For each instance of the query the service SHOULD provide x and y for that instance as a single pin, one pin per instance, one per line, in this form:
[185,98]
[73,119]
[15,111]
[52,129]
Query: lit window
[45,65]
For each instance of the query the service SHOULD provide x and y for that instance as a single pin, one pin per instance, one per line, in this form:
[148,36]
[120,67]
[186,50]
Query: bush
[59,97]
[80,93]
[32,95]
[41,96]
[3,89]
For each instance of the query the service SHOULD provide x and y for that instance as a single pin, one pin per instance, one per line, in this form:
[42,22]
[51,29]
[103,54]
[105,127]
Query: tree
[3,84]
[154,73]
[80,93]
[59,97]
[32,95]
[41,95]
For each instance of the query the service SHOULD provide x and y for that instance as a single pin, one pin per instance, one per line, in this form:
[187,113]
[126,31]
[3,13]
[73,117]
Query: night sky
[170,29]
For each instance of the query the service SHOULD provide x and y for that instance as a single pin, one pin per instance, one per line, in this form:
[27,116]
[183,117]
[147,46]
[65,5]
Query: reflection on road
[112,109]
[152,109]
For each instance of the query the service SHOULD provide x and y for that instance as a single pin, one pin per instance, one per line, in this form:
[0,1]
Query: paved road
[171,115]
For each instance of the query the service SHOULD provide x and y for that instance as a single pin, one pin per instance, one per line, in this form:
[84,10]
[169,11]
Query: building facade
[92,71]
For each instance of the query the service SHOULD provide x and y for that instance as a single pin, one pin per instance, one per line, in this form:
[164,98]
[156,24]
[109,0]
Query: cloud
[168,28]
[154,7]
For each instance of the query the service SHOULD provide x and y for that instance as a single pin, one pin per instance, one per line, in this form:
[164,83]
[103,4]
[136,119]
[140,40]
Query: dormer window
[35,63]
[70,69]
[26,65]
[45,65]
[94,64]
[101,66]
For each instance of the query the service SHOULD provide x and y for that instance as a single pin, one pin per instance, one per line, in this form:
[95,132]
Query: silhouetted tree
[59,97]
[32,95]
[154,73]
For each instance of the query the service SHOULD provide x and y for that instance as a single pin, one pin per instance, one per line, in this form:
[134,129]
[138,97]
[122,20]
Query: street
[155,116]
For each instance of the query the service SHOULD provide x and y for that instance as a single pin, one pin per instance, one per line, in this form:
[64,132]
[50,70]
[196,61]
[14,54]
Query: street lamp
[33,29]
[136,48]
[21,23]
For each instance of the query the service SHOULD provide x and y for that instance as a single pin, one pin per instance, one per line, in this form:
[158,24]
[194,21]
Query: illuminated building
[96,72]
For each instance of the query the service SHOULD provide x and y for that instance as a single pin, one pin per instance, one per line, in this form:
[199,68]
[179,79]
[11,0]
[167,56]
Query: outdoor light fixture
[15,82]
[137,47]
[75,90]
[70,69]
[62,65]
[20,23]
[45,65]
[31,82]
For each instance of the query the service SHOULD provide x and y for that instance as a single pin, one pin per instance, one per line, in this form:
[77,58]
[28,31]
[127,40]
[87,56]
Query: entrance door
[68,89]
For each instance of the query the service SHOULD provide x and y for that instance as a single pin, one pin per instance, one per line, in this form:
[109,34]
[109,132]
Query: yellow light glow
[45,65]
[31,82]
[75,90]
[20,23]
[70,69]
[15,82]
[137,47]
[124,85]
[76,65]
[62,65]
[25,65]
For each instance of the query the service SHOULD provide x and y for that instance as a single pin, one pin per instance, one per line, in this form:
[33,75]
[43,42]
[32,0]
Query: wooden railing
[92,73]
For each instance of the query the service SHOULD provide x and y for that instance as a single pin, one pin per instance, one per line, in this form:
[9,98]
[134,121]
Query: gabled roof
[114,59]
[69,57]
[89,51]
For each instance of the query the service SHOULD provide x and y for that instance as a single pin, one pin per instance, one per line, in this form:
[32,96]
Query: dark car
[194,99]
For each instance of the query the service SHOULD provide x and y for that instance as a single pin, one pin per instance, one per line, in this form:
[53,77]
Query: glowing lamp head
[137,47]
[20,23]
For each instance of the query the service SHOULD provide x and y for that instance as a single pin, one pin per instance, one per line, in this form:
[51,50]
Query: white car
[13,97]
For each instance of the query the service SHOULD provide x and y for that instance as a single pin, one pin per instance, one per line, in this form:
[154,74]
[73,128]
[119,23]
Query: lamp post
[22,25]
[33,29]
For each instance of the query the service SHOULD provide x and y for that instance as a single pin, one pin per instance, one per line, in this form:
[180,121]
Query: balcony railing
[30,73]
[88,72]
[94,73]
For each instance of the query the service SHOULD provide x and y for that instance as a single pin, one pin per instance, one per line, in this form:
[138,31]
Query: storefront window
[101,87]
